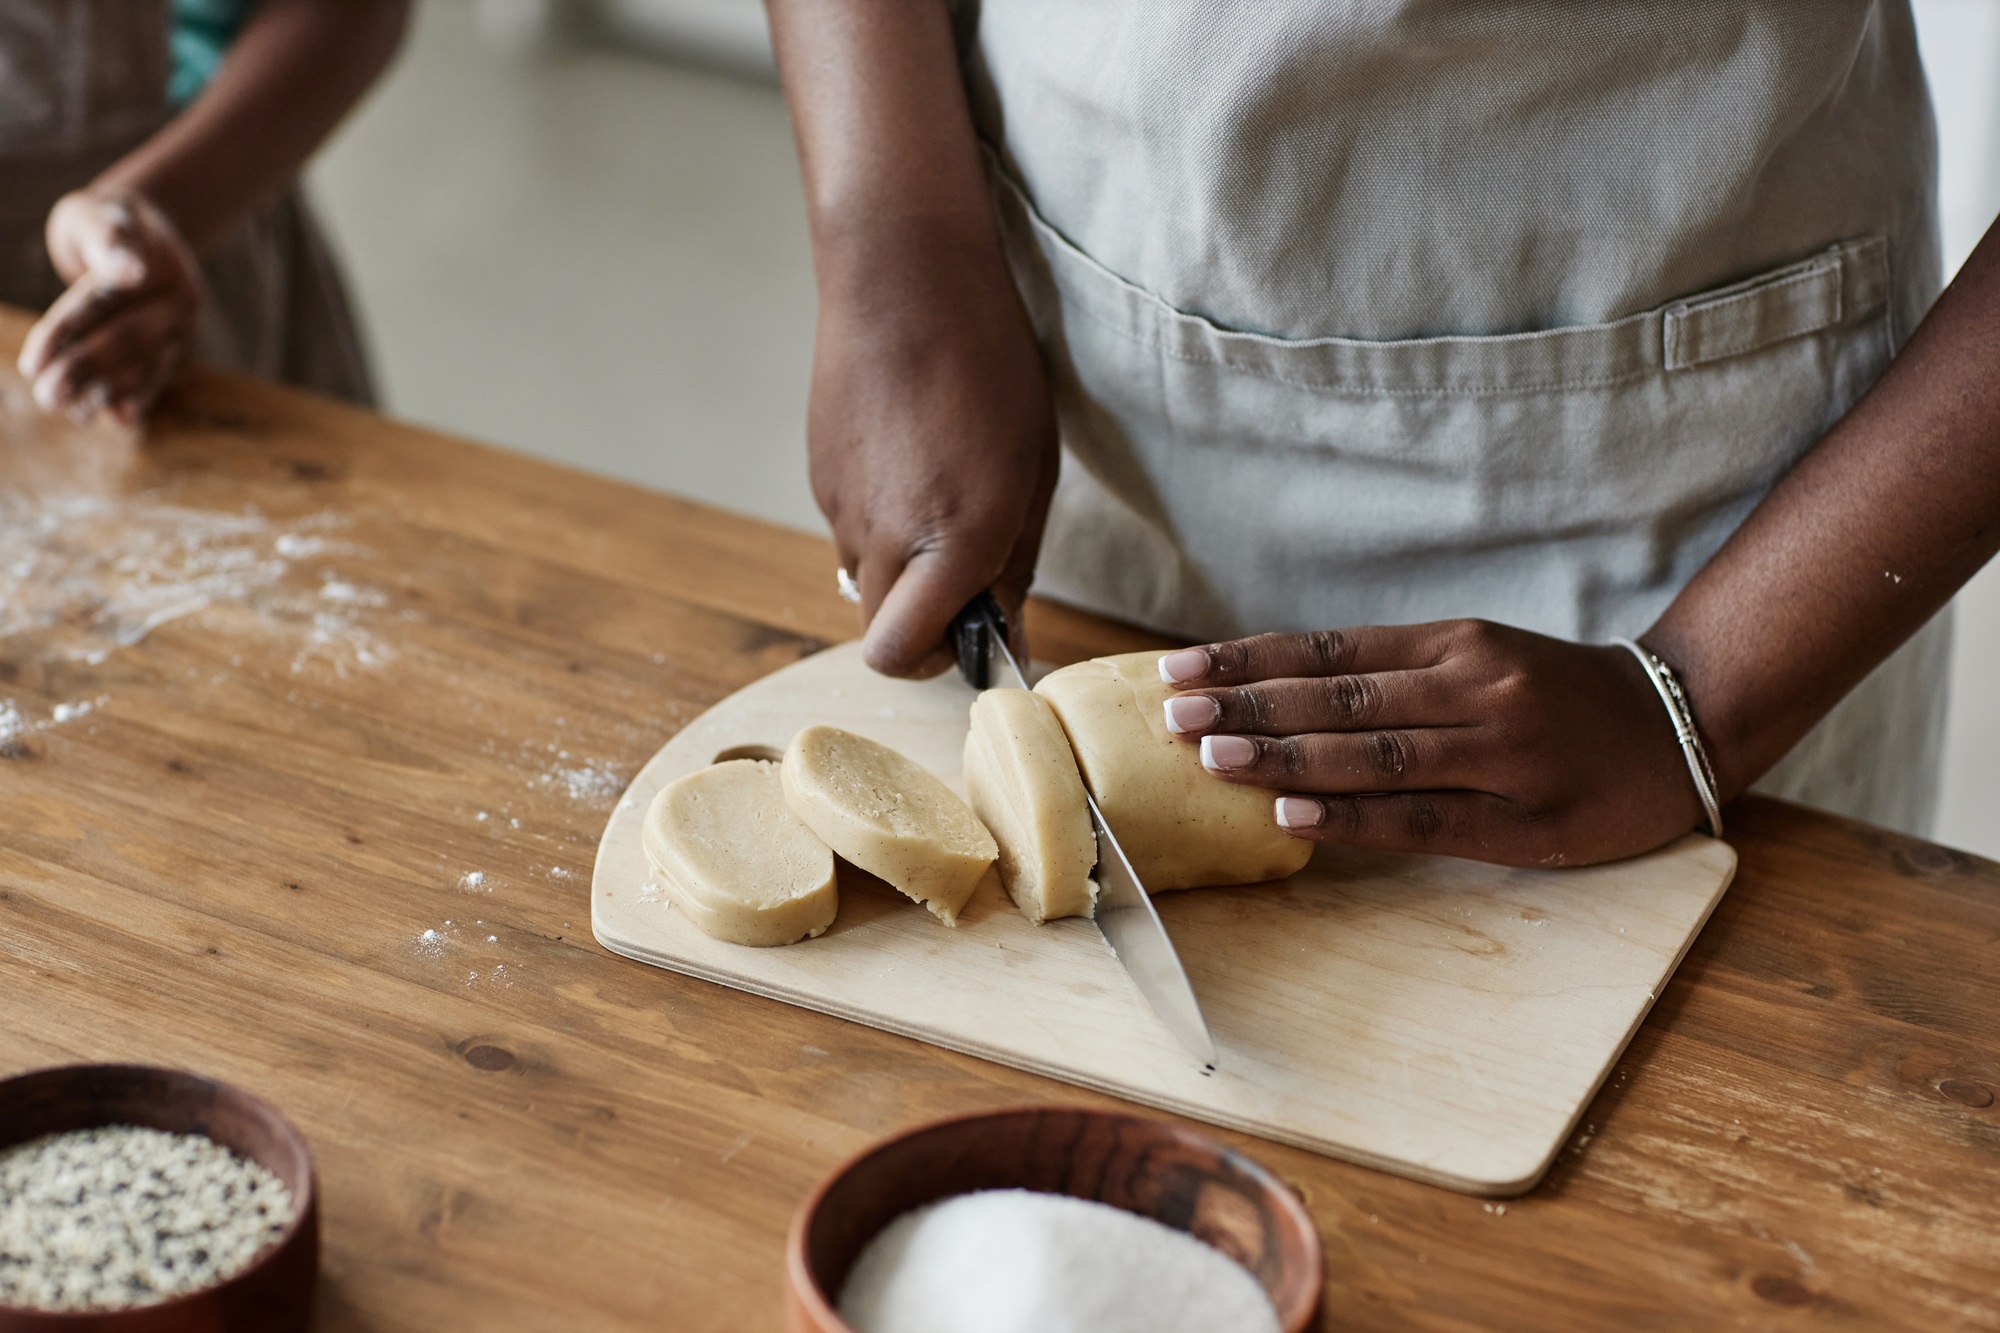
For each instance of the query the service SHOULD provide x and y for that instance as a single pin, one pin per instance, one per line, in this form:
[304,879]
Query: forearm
[893,182]
[293,73]
[1857,547]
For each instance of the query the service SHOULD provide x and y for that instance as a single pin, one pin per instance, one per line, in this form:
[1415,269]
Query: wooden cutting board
[1437,1018]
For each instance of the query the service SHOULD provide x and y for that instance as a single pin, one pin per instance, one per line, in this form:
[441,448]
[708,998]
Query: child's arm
[126,243]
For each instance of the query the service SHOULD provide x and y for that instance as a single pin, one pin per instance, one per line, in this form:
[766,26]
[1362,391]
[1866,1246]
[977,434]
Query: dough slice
[1182,826]
[735,858]
[1023,782]
[888,815]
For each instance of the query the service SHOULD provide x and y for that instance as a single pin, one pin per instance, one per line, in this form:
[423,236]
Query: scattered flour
[1012,1261]
[15,725]
[592,781]
[87,569]
[474,881]
[112,1218]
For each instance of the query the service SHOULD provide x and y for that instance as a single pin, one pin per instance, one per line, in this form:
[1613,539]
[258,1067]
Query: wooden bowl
[272,1295]
[1172,1175]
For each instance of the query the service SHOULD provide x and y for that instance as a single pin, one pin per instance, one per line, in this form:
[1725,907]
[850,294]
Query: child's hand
[114,338]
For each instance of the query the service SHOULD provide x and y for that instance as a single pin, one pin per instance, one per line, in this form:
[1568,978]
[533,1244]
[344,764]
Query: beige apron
[82,82]
[1376,313]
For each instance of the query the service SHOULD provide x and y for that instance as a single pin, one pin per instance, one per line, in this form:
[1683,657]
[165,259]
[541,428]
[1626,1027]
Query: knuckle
[1425,820]
[1326,650]
[1350,700]
[1389,753]
[1287,755]
[1511,692]
[1244,707]
[1477,637]
[1345,818]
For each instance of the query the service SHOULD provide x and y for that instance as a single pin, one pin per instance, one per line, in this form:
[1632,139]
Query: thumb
[108,249]
[906,636]
[93,240]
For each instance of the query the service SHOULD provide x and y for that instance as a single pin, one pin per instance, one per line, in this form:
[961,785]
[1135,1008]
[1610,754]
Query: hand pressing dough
[888,815]
[1182,826]
[735,858]
[1023,782]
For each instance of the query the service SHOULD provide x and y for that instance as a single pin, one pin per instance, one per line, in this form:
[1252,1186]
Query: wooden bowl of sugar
[921,1227]
[233,1236]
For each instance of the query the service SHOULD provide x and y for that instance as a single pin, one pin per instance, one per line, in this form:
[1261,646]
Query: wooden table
[230,861]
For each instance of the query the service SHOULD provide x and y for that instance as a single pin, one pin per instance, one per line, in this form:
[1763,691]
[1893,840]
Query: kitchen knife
[1125,915]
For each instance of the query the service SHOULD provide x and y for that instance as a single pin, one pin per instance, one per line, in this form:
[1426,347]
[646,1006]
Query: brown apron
[82,83]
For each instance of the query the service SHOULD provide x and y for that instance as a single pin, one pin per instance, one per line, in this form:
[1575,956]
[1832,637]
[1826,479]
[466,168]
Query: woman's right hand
[932,432]
[933,443]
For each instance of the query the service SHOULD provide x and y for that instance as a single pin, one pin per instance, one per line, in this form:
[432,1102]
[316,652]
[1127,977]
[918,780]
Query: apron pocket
[1567,480]
[1844,284]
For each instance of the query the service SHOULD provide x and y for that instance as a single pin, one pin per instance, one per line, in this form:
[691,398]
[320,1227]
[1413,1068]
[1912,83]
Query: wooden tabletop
[404,701]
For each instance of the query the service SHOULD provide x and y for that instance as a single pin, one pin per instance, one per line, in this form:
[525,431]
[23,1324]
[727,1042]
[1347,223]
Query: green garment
[202,32]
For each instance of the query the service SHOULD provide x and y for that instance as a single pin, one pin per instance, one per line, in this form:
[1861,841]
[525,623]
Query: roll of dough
[889,815]
[1023,782]
[1182,826]
[736,859]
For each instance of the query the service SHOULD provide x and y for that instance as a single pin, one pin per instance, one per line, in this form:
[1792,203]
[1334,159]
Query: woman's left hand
[1461,737]
[112,340]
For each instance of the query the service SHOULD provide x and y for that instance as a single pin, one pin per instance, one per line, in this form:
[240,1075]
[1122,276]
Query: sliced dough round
[1182,826]
[735,858]
[1023,782]
[889,815]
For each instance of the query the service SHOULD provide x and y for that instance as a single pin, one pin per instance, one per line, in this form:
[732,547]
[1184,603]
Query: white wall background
[1961,46]
[601,257]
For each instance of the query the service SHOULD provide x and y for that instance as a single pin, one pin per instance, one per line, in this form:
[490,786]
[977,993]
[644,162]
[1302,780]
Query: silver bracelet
[1675,698]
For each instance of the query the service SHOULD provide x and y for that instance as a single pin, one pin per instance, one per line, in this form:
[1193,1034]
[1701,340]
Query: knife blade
[1124,913]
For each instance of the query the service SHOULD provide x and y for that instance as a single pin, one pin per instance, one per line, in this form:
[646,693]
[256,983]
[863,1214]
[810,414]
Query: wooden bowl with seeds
[234,1235]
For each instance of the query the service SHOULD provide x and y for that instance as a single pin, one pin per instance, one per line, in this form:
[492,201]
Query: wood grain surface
[1439,1018]
[228,865]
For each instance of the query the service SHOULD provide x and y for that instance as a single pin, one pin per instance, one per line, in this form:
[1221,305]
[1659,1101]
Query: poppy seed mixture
[116,1217]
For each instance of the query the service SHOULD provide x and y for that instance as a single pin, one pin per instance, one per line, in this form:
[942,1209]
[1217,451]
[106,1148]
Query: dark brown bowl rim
[806,1287]
[303,1210]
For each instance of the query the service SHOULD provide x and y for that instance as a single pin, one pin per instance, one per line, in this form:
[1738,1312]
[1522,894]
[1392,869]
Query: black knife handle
[971,638]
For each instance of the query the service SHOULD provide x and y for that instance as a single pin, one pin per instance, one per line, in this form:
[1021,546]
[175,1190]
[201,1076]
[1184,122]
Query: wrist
[858,258]
[1664,684]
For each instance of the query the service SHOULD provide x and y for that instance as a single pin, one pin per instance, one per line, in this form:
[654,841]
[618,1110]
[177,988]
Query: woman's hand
[112,340]
[934,450]
[932,432]
[1461,737]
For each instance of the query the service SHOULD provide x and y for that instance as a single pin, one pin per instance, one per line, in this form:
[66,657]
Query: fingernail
[1225,752]
[1187,664]
[47,390]
[1192,713]
[123,269]
[1299,812]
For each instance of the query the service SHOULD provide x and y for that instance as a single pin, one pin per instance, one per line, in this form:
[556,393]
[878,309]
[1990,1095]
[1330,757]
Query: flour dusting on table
[87,568]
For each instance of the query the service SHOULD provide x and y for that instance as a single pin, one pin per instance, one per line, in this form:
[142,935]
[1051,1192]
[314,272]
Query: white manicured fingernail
[1192,713]
[1296,812]
[1226,752]
[1187,664]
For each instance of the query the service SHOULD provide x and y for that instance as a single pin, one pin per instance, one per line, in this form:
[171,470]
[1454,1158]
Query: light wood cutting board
[1437,1018]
